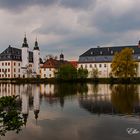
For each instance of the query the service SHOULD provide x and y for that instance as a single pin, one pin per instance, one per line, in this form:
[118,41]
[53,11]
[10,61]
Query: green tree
[94,73]
[123,64]
[82,73]
[10,116]
[66,72]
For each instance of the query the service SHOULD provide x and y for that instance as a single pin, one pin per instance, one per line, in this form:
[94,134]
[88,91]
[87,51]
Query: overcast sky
[73,26]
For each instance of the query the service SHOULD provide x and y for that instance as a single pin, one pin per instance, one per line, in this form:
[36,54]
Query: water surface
[75,111]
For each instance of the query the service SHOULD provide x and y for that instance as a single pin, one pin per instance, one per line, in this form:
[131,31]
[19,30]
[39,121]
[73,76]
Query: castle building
[16,63]
[100,58]
[51,66]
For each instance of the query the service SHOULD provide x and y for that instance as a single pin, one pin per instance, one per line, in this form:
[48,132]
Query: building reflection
[116,99]
[99,99]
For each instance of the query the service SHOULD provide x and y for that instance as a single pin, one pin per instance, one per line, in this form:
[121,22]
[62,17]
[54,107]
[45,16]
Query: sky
[69,26]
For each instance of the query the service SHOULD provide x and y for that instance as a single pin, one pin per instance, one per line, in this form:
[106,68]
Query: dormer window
[91,53]
[111,52]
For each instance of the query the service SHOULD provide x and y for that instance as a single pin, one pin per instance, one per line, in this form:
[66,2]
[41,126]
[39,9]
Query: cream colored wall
[103,71]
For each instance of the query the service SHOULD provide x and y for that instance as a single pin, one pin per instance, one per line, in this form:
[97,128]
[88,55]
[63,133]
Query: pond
[75,111]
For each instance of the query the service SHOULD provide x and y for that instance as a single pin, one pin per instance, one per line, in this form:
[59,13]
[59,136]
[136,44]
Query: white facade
[19,63]
[36,57]
[103,68]
[48,72]
[10,69]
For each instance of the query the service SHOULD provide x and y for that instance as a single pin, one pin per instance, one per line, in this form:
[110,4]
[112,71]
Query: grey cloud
[15,5]
[55,28]
[110,23]
[77,4]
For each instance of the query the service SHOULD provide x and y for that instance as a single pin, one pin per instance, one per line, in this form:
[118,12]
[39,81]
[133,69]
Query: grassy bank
[87,80]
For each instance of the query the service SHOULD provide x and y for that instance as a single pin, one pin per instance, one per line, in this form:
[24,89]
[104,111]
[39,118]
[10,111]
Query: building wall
[48,72]
[36,57]
[104,69]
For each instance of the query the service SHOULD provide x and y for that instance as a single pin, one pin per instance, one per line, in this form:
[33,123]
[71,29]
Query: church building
[20,63]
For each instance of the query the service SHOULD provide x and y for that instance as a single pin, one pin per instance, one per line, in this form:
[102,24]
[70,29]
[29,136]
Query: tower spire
[36,47]
[25,44]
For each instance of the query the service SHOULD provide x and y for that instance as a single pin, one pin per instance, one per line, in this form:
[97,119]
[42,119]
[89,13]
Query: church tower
[61,57]
[25,57]
[36,58]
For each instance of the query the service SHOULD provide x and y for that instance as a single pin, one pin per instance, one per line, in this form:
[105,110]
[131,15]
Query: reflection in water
[125,98]
[118,99]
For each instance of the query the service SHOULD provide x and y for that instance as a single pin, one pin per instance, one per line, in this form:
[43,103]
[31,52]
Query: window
[18,64]
[44,75]
[95,65]
[100,52]
[44,69]
[2,64]
[0,75]
[5,63]
[14,70]
[8,70]
[0,70]
[81,66]
[111,52]
[100,65]
[105,65]
[14,63]
[8,63]
[14,75]
[18,70]
[8,75]
[50,69]
[90,65]
[19,75]
[50,75]
[86,66]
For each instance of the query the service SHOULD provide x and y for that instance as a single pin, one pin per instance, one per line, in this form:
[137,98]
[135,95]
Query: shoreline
[86,80]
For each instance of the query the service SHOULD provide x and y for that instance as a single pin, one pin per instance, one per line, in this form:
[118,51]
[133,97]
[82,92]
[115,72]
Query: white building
[100,58]
[15,63]
[51,66]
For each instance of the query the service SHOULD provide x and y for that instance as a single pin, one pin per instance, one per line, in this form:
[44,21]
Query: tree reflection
[124,98]
[10,116]
[63,90]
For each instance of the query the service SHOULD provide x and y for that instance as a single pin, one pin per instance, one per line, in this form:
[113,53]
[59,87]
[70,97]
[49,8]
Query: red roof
[74,63]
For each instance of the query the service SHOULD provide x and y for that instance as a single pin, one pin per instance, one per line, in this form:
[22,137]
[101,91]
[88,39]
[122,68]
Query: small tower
[25,57]
[61,57]
[36,58]
[139,44]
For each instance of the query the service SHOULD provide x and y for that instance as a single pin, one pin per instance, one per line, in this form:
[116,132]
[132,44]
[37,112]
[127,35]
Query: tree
[82,73]
[10,116]
[94,73]
[123,64]
[66,72]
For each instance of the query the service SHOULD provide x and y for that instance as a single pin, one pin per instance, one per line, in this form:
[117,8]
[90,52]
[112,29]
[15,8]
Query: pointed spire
[36,47]
[25,44]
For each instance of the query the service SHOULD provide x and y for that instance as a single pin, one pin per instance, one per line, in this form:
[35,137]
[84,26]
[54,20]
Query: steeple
[61,56]
[139,44]
[36,47]
[25,44]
